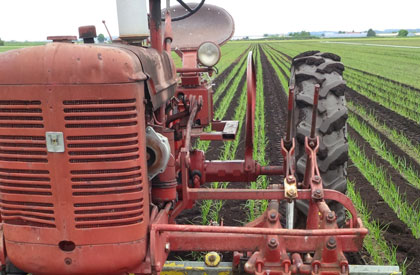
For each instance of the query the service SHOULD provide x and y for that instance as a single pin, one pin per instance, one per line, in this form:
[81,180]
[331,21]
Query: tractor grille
[22,144]
[101,114]
[119,147]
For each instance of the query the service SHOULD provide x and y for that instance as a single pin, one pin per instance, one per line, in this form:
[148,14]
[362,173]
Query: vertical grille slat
[121,148]
[19,120]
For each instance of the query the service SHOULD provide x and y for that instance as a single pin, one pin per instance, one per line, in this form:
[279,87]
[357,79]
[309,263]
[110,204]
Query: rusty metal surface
[159,69]
[210,23]
[62,63]
[62,38]
[87,31]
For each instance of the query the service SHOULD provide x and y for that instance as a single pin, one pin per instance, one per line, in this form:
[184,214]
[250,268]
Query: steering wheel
[190,11]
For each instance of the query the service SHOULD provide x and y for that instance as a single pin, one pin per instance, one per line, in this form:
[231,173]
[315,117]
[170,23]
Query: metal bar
[205,241]
[258,231]
[193,70]
[290,113]
[225,268]
[290,213]
[314,111]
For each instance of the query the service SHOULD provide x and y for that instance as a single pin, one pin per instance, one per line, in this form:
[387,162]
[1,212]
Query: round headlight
[208,54]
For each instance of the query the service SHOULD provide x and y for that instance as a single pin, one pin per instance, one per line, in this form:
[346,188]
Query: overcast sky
[36,19]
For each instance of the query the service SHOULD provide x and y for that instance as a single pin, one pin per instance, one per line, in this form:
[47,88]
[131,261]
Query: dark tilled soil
[220,78]
[275,103]
[282,53]
[216,147]
[397,233]
[384,115]
[412,194]
[395,150]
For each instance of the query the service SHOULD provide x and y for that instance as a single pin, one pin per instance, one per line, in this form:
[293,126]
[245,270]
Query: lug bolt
[316,179]
[273,215]
[272,243]
[290,179]
[331,244]
[312,144]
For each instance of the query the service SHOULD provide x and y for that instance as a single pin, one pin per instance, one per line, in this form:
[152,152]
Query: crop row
[397,137]
[381,252]
[210,210]
[399,163]
[399,64]
[386,254]
[401,100]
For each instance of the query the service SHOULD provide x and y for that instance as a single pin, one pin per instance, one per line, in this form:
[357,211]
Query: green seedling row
[409,108]
[228,153]
[222,107]
[399,163]
[381,252]
[380,180]
[399,64]
[210,209]
[397,137]
[281,71]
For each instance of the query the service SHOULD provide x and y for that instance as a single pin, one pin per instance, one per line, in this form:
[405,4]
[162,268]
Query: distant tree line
[1,42]
[402,33]
[302,34]
[371,33]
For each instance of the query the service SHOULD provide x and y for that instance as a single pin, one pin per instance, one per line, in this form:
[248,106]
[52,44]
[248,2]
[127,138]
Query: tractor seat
[210,23]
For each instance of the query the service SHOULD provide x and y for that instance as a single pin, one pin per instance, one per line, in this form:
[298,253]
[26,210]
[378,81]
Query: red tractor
[96,157]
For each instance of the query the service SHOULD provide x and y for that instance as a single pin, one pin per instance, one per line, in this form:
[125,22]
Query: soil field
[384,147]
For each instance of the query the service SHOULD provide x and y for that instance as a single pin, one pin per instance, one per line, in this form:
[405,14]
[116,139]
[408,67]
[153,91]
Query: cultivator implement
[101,161]
[224,268]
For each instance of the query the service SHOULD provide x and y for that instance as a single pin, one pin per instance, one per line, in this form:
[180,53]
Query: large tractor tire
[325,69]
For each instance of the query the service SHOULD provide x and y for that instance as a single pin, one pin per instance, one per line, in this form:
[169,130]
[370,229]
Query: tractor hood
[71,64]
[64,63]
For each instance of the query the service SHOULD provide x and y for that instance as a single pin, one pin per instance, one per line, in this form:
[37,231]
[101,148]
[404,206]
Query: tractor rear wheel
[325,69]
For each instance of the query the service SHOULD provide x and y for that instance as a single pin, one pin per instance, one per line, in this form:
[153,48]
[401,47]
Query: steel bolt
[212,258]
[316,179]
[273,215]
[331,244]
[167,247]
[330,217]
[317,194]
[290,179]
[312,143]
[272,243]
